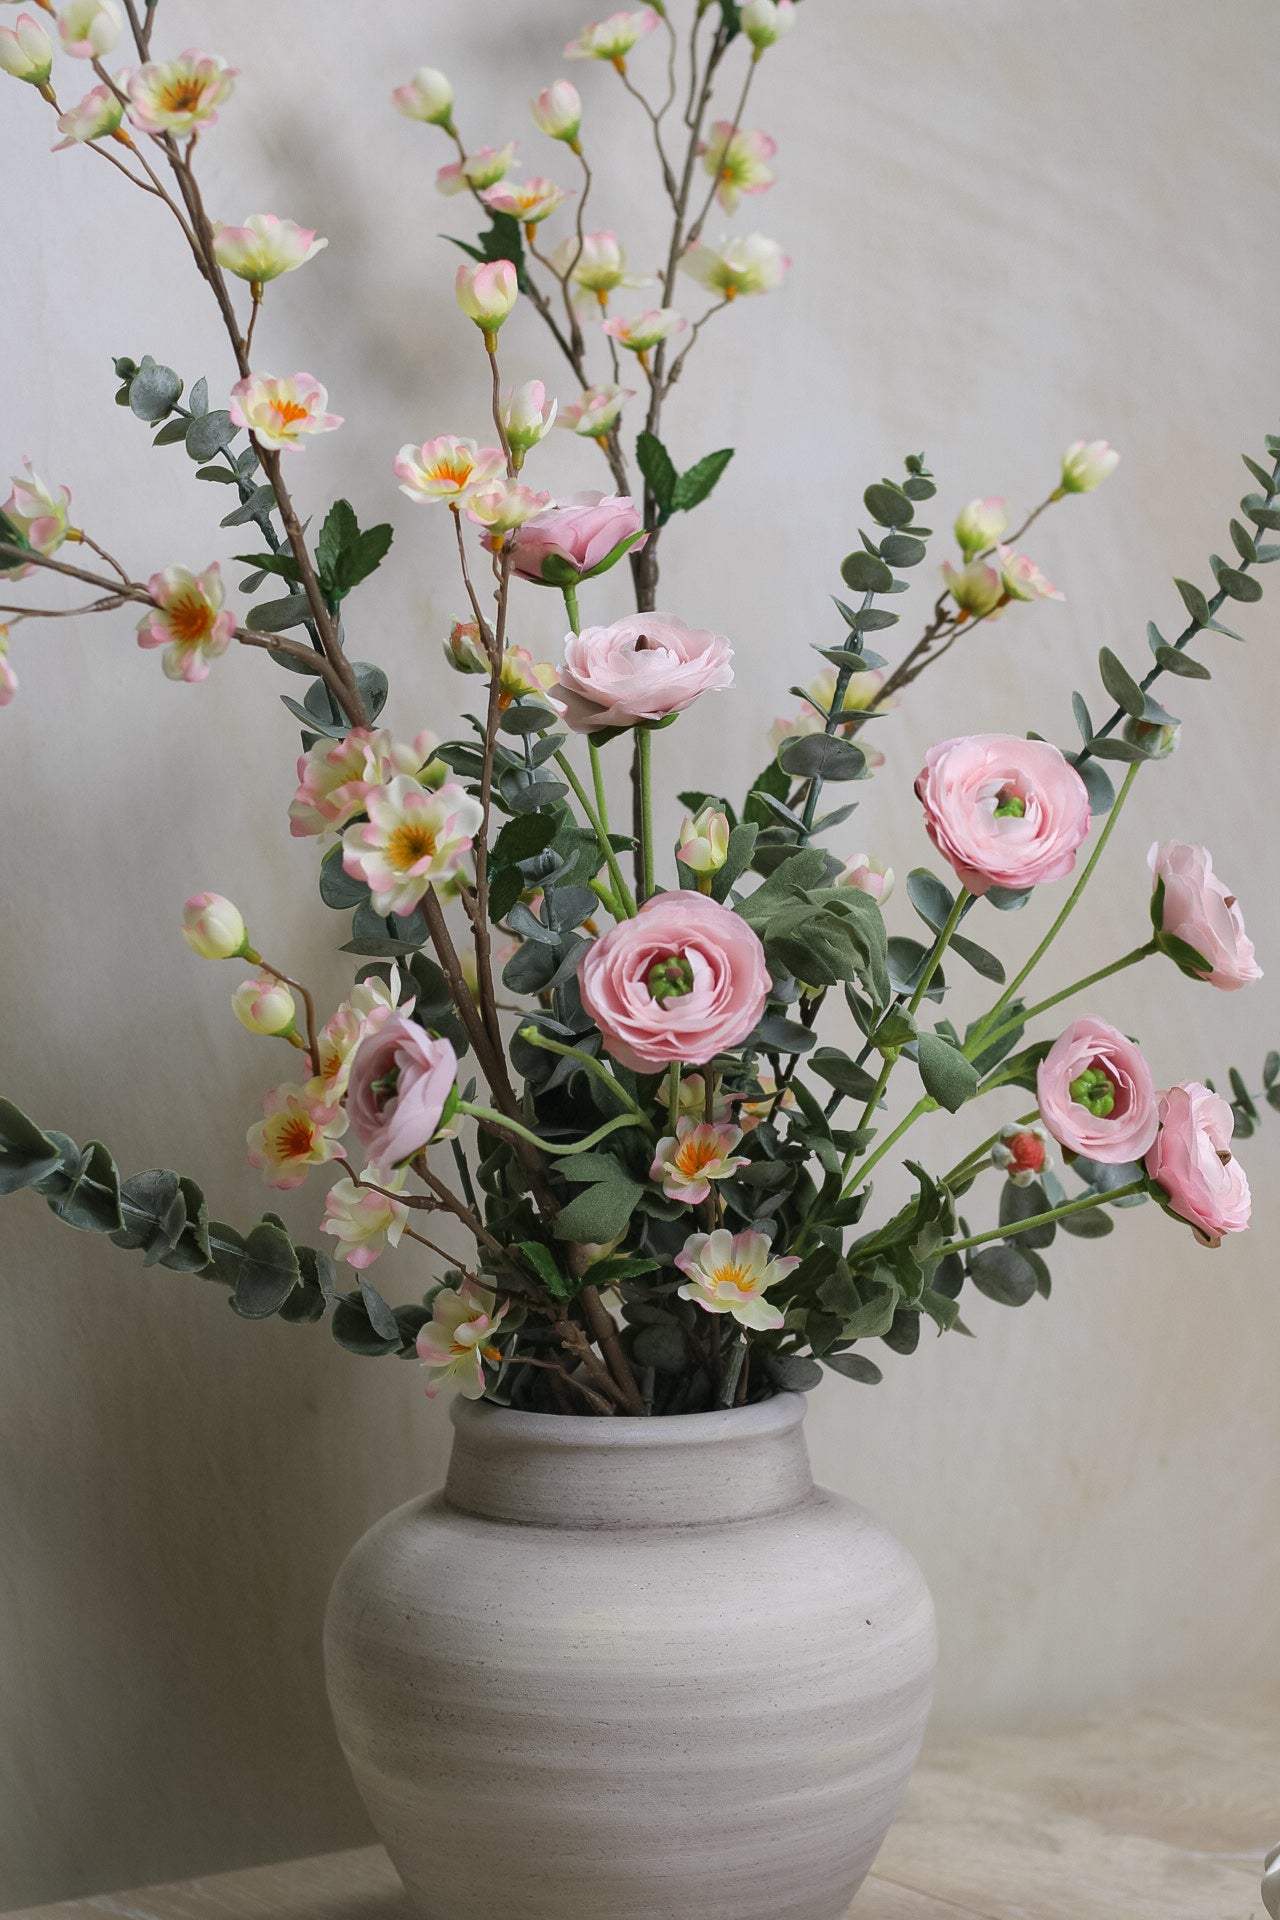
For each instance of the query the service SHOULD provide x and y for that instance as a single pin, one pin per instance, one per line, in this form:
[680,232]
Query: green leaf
[154,391]
[866,573]
[261,501]
[501,240]
[1120,684]
[1243,541]
[92,1200]
[344,555]
[662,1347]
[659,470]
[1092,1223]
[694,485]
[854,1366]
[153,1212]
[1108,749]
[821,756]
[902,549]
[170,435]
[198,398]
[1083,717]
[268,1273]
[207,436]
[839,1071]
[1239,586]
[1194,602]
[351,1328]
[275,616]
[978,958]
[932,900]
[792,1372]
[524,837]
[600,1212]
[282,564]
[738,857]
[1004,1275]
[1022,1203]
[381,1318]
[1182,664]
[888,505]
[27,1154]
[948,1077]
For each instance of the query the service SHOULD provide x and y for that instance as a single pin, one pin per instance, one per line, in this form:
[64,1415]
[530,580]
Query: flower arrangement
[660,1143]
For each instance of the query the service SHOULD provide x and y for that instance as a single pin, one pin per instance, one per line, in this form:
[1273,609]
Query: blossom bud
[463,649]
[976,588]
[265,1006]
[704,842]
[526,415]
[766,21]
[8,678]
[1023,1152]
[428,97]
[486,294]
[214,928]
[868,876]
[26,51]
[980,525]
[1085,465]
[90,28]
[1157,738]
[557,112]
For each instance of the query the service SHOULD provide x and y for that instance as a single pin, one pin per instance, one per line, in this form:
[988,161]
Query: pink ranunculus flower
[93,118]
[1005,812]
[398,1092]
[1192,905]
[297,1132]
[178,96]
[457,1342]
[264,247]
[363,1221]
[280,412]
[188,620]
[1096,1093]
[1192,1163]
[369,1006]
[582,536]
[684,980]
[640,670]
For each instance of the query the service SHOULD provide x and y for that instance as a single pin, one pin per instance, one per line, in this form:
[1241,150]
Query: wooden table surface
[1158,1815]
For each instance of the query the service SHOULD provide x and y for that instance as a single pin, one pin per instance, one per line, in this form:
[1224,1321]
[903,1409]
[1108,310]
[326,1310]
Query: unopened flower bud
[1086,464]
[766,21]
[704,842]
[868,876]
[980,524]
[1023,1152]
[213,927]
[527,415]
[26,51]
[428,97]
[486,294]
[264,1005]
[1157,738]
[464,650]
[976,588]
[557,112]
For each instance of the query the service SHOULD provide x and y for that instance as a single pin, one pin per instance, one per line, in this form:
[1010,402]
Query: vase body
[630,1670]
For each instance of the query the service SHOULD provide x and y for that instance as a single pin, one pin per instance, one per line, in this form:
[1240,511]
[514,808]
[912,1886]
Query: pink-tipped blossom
[1085,465]
[187,618]
[738,161]
[1023,579]
[89,28]
[765,22]
[1096,1094]
[527,416]
[213,927]
[557,112]
[94,118]
[1005,812]
[427,97]
[684,980]
[336,777]
[413,839]
[487,294]
[264,247]
[976,588]
[613,39]
[686,1162]
[640,670]
[1192,1163]
[282,412]
[26,51]
[704,842]
[39,513]
[1191,906]
[368,1006]
[692,1105]
[584,535]
[528,201]
[8,678]
[596,411]
[178,96]
[475,171]
[731,1273]
[980,524]
[750,263]
[265,1005]
[398,1091]
[447,468]
[458,1342]
[867,875]
[596,264]
[646,330]
[297,1132]
[503,506]
[364,1220]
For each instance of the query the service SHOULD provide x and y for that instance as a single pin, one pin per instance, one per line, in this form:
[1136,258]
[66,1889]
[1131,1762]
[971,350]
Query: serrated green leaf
[696,483]
[659,470]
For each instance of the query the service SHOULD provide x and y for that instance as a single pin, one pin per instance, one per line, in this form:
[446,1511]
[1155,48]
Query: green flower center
[668,978]
[384,1088]
[1096,1090]
[1009,805]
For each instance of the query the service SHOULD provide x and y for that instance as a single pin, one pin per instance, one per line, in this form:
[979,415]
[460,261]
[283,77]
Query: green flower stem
[1011,1232]
[597,782]
[922,1106]
[644,750]
[571,607]
[620,887]
[673,1094]
[940,946]
[588,1060]
[979,1040]
[1077,986]
[967,1165]
[500,1123]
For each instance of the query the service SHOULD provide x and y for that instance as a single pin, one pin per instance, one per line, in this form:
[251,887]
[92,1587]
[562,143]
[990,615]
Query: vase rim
[778,1414]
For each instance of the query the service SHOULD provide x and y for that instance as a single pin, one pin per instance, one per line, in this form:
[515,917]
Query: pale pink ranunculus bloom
[93,118]
[867,875]
[646,330]
[596,410]
[89,28]
[187,618]
[447,468]
[747,263]
[213,927]
[580,536]
[297,1132]
[281,412]
[457,1342]
[1085,465]
[39,513]
[399,1087]
[368,1006]
[528,201]
[557,111]
[178,96]
[26,51]
[765,22]
[364,1222]
[687,1161]
[264,247]
[8,678]
[413,839]
[613,39]
[738,161]
[641,669]
[1194,906]
[486,294]
[264,1005]
[976,588]
[1193,1165]
[1005,812]
[475,171]
[980,524]
[1023,579]
[1096,1094]
[684,980]
[427,97]
[731,1273]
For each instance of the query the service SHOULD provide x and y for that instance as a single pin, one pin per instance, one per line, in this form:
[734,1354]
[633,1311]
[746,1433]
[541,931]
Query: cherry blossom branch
[309,1007]
[655,121]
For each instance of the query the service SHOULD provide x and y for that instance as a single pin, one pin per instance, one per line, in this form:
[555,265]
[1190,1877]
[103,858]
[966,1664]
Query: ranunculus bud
[428,97]
[401,1090]
[1085,465]
[557,112]
[1023,1152]
[527,415]
[1193,1165]
[980,524]
[583,536]
[1157,738]
[213,927]
[704,842]
[1196,918]
[26,51]
[264,1005]
[463,649]
[766,21]
[976,588]
[868,876]
[486,294]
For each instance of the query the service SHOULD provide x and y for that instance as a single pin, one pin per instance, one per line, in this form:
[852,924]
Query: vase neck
[552,1470]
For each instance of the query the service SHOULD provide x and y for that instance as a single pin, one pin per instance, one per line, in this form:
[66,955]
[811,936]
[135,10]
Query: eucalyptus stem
[1012,1230]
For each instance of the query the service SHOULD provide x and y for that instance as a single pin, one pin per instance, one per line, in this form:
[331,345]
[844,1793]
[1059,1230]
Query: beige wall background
[1012,225]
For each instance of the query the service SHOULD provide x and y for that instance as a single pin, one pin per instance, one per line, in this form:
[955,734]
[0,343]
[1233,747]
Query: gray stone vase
[630,1670]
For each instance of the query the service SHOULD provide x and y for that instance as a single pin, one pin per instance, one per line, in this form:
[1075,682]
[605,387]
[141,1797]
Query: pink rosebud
[1192,1163]
[639,670]
[1096,1093]
[1191,906]
[1005,812]
[583,536]
[684,980]
[401,1080]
